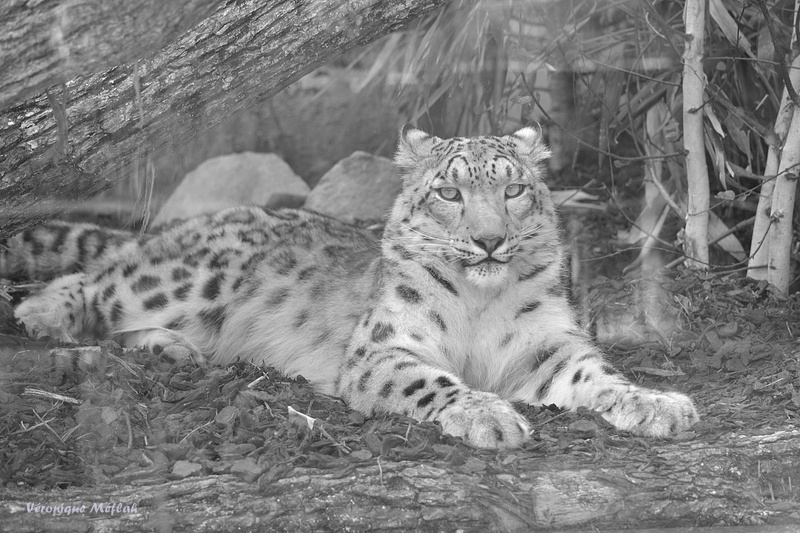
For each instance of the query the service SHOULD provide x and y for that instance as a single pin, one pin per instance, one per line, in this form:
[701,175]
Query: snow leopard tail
[58,247]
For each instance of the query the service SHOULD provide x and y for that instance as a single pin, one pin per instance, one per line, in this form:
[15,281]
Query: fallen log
[53,42]
[75,139]
[738,479]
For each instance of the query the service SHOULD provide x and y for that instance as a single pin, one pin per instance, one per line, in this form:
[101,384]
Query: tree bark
[739,479]
[73,140]
[58,40]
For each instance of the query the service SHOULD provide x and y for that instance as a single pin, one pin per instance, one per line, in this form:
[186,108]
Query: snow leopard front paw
[652,413]
[54,312]
[484,419]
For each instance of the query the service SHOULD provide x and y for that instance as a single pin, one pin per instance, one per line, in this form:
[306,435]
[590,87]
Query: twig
[719,97]
[342,447]
[736,227]
[51,395]
[256,381]
[130,430]
[67,434]
[27,286]
[740,172]
[649,243]
[667,198]
[47,425]
[28,429]
[617,158]
[196,429]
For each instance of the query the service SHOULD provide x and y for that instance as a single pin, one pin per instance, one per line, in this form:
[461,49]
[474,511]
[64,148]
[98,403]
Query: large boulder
[246,178]
[359,187]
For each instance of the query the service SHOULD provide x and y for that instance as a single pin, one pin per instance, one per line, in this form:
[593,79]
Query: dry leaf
[299,419]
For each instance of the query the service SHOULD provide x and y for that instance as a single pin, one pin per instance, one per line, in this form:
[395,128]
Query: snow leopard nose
[489,245]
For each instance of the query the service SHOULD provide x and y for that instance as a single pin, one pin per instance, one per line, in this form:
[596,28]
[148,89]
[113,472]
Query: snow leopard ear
[414,148]
[530,145]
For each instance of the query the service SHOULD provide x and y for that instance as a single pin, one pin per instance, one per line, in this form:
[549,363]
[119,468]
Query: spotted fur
[457,312]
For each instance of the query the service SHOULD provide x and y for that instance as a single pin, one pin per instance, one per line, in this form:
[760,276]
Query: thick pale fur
[458,311]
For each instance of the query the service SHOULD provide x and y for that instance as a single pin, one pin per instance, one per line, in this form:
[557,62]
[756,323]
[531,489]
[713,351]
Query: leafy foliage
[591,71]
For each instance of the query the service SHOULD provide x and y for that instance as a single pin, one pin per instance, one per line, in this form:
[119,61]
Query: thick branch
[79,138]
[57,40]
[688,483]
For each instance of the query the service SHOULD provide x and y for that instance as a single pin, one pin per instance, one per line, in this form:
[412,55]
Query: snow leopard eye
[449,194]
[514,190]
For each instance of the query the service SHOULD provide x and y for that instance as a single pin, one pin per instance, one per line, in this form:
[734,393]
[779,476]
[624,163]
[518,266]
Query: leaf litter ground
[94,414]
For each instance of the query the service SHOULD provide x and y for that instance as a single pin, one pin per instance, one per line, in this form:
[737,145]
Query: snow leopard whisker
[533,228]
[416,245]
[420,232]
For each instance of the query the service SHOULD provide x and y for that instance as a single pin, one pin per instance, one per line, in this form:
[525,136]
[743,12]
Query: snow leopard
[455,313]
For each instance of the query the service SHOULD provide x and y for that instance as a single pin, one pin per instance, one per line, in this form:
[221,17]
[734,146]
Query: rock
[584,427]
[227,415]
[183,469]
[361,455]
[247,178]
[157,457]
[246,469]
[109,414]
[220,467]
[356,418]
[231,452]
[89,415]
[473,464]
[359,187]
[175,451]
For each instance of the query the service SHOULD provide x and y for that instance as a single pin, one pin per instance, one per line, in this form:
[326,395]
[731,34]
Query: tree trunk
[779,272]
[695,245]
[739,479]
[757,267]
[75,139]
